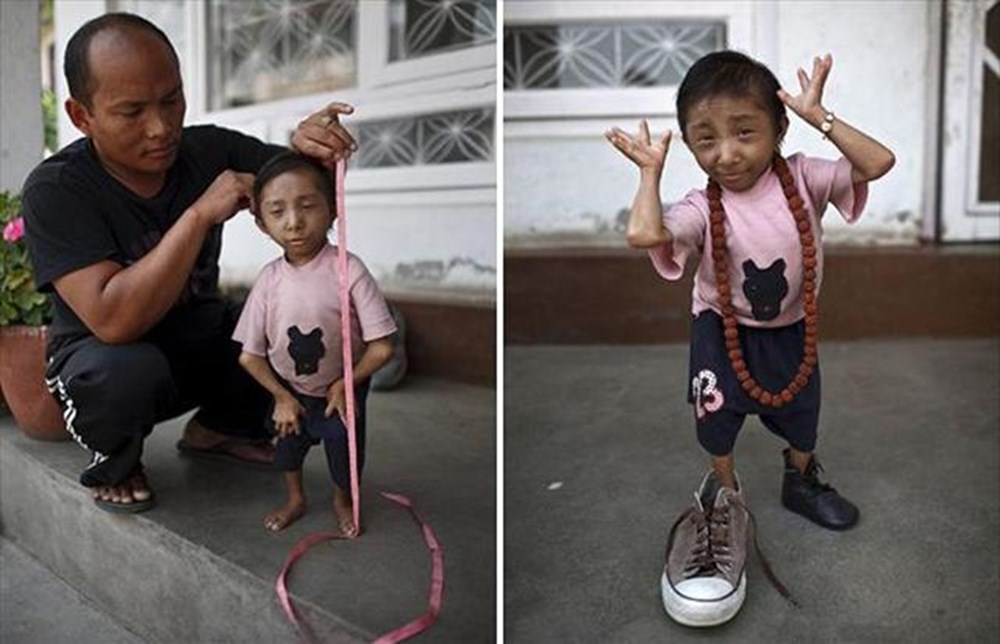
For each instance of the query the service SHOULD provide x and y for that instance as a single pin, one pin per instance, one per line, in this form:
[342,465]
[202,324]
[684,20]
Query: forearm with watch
[869,158]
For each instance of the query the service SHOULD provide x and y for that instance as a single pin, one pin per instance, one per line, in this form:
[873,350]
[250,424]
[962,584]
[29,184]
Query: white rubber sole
[702,610]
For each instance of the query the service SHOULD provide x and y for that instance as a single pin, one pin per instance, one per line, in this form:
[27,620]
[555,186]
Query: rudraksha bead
[810,255]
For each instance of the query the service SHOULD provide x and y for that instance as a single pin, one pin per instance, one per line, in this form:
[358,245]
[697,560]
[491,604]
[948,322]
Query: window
[438,138]
[420,72]
[577,59]
[421,27]
[262,50]
[606,55]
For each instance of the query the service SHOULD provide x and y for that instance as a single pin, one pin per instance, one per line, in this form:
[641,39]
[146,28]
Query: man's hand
[228,194]
[322,136]
[286,415]
[649,155]
[336,399]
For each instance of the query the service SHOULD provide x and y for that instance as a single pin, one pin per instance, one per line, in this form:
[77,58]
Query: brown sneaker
[704,580]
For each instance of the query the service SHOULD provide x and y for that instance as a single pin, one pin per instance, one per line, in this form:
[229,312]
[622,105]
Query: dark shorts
[316,427]
[720,403]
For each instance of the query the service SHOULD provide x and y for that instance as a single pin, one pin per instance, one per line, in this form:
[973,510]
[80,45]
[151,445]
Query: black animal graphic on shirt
[306,349]
[765,288]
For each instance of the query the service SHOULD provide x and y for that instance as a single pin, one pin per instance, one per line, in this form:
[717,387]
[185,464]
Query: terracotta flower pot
[22,377]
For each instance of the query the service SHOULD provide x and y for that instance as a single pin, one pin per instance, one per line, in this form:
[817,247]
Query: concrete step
[200,567]
[27,584]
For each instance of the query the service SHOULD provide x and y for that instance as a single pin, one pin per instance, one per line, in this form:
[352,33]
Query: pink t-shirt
[765,256]
[292,317]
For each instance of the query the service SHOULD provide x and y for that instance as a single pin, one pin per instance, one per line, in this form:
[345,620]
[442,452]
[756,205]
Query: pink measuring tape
[437,559]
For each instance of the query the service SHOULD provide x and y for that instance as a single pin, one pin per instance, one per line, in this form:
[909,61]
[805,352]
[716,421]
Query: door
[970,199]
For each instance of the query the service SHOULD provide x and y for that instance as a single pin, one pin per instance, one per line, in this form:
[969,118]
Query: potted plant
[24,314]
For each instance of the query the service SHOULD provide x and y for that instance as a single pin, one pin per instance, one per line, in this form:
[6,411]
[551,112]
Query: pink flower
[14,230]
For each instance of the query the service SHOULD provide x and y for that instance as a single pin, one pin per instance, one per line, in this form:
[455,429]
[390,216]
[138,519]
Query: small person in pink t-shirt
[290,330]
[757,228]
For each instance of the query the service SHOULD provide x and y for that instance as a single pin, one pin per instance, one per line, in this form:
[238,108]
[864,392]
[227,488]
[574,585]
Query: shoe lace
[812,476]
[712,550]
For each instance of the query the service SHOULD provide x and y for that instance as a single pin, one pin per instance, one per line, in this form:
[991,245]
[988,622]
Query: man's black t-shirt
[76,214]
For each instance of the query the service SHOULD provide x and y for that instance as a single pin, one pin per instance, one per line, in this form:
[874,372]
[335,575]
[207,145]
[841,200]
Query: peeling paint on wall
[601,224]
[457,270]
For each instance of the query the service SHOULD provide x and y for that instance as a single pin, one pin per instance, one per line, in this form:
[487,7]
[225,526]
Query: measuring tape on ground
[437,558]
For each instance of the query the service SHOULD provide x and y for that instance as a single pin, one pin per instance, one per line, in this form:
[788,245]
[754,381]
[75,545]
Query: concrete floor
[601,456]
[431,440]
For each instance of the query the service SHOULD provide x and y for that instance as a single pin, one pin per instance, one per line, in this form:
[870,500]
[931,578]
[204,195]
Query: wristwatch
[827,124]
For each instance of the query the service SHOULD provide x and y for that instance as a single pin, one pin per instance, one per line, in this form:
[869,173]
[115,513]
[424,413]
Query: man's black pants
[112,395]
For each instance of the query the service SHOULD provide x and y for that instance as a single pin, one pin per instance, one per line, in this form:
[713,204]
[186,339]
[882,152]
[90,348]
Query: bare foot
[139,486]
[199,437]
[134,489]
[343,512]
[113,493]
[286,515]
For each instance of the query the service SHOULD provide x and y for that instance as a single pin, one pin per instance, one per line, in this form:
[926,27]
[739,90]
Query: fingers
[329,144]
[622,141]
[286,428]
[337,108]
[618,138]
[825,65]
[665,140]
[803,79]
[785,97]
[322,136]
[644,132]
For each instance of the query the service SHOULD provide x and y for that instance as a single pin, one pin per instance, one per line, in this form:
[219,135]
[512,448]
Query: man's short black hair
[75,63]
[288,162]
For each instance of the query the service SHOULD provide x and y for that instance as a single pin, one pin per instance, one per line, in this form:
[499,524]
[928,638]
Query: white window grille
[615,55]
[262,50]
[575,59]
[431,139]
[422,27]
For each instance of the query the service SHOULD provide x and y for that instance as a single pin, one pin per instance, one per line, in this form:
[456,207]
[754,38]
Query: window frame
[449,81]
[582,103]
[379,71]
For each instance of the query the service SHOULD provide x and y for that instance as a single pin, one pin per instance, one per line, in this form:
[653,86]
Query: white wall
[563,182]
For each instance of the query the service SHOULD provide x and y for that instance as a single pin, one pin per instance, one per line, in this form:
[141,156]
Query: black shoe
[804,494]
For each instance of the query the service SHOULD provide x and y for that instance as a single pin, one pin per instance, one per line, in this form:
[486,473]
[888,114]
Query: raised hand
[809,104]
[641,149]
[322,136]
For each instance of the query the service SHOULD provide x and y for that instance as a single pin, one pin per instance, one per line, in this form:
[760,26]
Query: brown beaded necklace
[717,220]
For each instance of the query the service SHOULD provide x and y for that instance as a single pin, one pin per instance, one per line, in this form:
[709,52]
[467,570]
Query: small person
[758,229]
[291,332]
